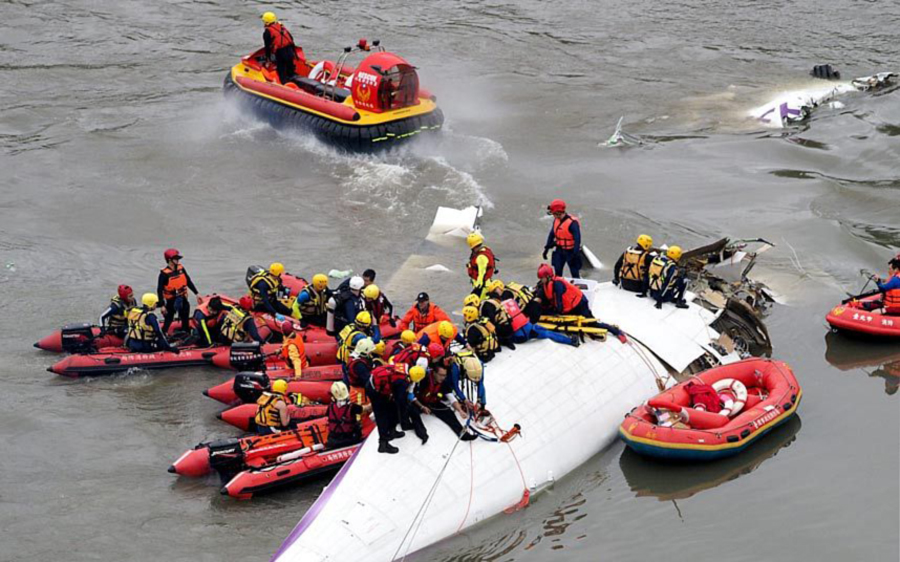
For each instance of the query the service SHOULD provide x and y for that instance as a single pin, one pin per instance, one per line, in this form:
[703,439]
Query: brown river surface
[115,143]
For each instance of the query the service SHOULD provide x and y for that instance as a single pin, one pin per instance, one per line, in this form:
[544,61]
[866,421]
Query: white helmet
[339,391]
[364,346]
[356,283]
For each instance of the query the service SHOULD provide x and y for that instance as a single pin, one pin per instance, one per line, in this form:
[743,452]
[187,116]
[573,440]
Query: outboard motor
[250,386]
[247,356]
[225,457]
[252,272]
[78,338]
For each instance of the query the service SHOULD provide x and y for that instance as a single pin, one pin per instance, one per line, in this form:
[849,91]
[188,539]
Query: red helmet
[435,350]
[246,303]
[287,328]
[557,206]
[545,271]
[171,254]
[125,292]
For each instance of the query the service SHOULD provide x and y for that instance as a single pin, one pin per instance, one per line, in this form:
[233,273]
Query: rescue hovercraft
[715,414]
[377,105]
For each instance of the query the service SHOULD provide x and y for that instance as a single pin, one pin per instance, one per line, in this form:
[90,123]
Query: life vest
[634,264]
[570,298]
[267,415]
[562,232]
[315,306]
[517,318]
[468,387]
[431,331]
[429,392]
[341,420]
[176,285]
[117,321]
[281,37]
[260,280]
[892,300]
[376,308]
[340,300]
[488,334]
[345,342]
[521,293]
[657,272]
[351,374]
[409,356]
[233,325]
[138,328]
[473,263]
[499,316]
[297,340]
[384,377]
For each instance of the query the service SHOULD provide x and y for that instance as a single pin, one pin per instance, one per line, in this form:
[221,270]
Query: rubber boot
[658,304]
[575,341]
[641,295]
[423,435]
[385,447]
[681,304]
[396,435]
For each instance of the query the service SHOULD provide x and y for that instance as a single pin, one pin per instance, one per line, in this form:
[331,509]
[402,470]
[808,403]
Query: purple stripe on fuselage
[314,510]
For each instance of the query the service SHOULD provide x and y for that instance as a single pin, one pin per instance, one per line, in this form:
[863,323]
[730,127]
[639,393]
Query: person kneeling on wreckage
[480,333]
[562,299]
[491,310]
[466,375]
[523,329]
[433,394]
[666,280]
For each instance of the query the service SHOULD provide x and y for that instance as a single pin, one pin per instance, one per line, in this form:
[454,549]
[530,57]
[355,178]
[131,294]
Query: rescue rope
[660,381]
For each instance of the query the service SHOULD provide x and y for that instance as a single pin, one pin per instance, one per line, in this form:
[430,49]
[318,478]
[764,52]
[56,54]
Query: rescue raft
[757,395]
[243,416]
[244,386]
[851,318]
[377,105]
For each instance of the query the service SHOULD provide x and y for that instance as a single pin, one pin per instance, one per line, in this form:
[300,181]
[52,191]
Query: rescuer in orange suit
[279,47]
[565,238]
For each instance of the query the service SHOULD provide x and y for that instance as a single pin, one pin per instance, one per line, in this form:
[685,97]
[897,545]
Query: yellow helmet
[445,330]
[371,292]
[150,300]
[472,300]
[276,269]
[269,17]
[475,239]
[473,367]
[339,391]
[364,319]
[319,281]
[408,337]
[495,285]
[417,373]
[645,241]
[379,348]
[279,386]
[674,253]
[470,313]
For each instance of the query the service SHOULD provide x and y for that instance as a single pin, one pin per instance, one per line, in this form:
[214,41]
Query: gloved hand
[176,351]
[392,321]
[544,255]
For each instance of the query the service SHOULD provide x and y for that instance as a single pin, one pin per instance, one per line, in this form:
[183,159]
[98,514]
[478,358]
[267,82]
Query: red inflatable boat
[115,360]
[243,416]
[233,455]
[755,395]
[233,392]
[307,464]
[851,318]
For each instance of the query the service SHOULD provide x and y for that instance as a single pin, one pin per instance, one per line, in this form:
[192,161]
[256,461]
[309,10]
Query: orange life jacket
[570,298]
[892,300]
[562,233]
[473,264]
[296,339]
[177,282]
[281,37]
[431,331]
